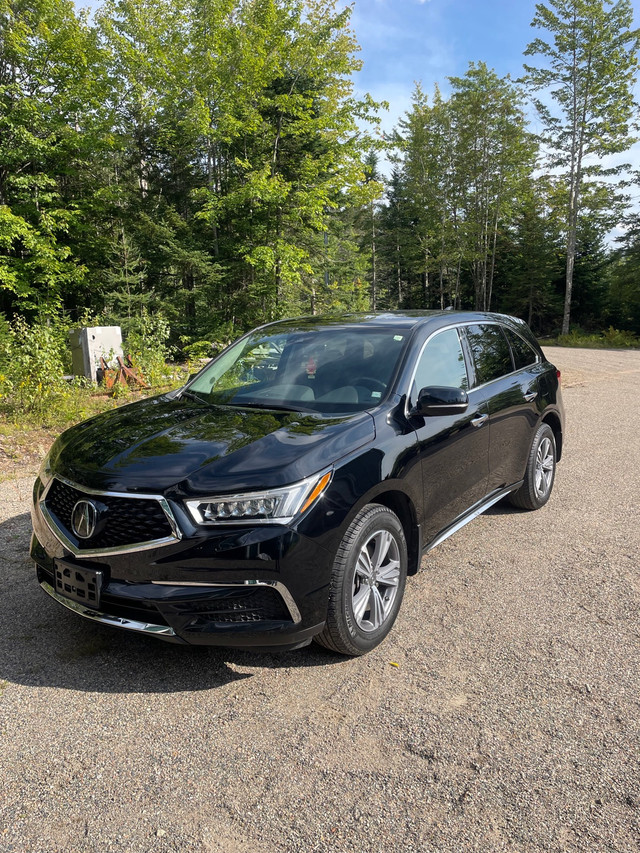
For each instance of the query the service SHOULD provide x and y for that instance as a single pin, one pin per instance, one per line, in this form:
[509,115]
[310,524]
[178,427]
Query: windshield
[326,369]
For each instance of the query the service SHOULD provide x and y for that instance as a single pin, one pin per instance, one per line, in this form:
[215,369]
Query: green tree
[624,295]
[588,70]
[463,162]
[494,156]
[529,259]
[47,104]
[397,245]
[294,153]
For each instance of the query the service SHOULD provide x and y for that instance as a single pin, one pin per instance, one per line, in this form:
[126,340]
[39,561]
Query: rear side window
[491,353]
[523,353]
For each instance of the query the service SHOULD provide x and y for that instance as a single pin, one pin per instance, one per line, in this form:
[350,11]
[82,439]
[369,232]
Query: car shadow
[503,508]
[44,645]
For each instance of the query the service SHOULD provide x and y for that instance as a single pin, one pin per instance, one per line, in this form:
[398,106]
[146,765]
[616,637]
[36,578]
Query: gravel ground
[501,714]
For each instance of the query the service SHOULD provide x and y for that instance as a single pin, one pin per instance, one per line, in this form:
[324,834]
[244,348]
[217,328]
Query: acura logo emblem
[84,519]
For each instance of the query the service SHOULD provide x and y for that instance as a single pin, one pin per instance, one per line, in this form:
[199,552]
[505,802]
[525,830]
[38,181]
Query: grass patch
[609,339]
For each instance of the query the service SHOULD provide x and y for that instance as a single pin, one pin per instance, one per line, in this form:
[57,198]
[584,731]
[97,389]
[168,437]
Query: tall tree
[588,68]
[624,295]
[463,162]
[530,258]
[494,156]
[47,102]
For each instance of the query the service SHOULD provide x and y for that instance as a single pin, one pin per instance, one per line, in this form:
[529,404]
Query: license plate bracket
[79,584]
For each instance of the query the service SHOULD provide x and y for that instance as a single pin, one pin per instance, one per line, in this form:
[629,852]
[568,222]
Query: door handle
[479,420]
[531,396]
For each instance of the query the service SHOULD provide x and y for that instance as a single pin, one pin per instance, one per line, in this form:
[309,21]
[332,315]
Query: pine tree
[588,68]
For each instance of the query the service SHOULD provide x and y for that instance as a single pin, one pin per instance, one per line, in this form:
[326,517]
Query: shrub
[615,338]
[198,350]
[32,367]
[620,338]
[146,343]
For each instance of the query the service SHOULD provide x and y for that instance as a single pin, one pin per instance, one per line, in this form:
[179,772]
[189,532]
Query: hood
[192,448]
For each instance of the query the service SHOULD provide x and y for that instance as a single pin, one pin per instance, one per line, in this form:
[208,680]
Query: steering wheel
[371,382]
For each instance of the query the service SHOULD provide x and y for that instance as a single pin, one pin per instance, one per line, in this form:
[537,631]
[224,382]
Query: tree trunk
[571,243]
[493,260]
[374,282]
[399,273]
[426,276]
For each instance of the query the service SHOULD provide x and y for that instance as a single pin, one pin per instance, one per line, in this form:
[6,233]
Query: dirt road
[503,712]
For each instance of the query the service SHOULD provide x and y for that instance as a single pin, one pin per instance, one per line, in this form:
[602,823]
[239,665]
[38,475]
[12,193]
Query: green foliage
[146,342]
[618,338]
[32,380]
[198,350]
[463,162]
[46,104]
[588,68]
[610,339]
[206,165]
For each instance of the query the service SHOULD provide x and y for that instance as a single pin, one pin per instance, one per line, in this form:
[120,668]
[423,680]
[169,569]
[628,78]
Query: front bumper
[247,587]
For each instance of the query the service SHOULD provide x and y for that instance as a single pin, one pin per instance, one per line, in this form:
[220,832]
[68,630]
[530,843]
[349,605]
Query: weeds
[34,391]
[610,339]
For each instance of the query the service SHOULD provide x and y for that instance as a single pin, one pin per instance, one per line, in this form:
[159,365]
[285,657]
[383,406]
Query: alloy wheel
[376,580]
[545,464]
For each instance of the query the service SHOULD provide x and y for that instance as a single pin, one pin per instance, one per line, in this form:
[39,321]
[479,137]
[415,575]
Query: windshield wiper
[277,406]
[185,392]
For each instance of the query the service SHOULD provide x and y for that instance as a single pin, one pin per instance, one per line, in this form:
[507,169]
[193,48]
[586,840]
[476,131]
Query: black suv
[285,493]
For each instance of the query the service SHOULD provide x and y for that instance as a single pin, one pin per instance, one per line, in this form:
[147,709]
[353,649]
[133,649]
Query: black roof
[393,319]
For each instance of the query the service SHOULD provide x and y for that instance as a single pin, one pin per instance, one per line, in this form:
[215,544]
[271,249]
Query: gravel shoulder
[502,713]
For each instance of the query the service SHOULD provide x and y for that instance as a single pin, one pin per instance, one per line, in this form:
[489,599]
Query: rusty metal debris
[125,374]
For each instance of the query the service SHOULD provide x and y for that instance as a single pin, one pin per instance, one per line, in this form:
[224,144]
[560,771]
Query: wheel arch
[399,503]
[553,420]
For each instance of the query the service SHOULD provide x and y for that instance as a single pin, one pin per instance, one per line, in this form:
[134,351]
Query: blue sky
[404,41]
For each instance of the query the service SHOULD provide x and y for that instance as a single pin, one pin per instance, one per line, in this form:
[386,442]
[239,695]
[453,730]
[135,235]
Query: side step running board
[474,513]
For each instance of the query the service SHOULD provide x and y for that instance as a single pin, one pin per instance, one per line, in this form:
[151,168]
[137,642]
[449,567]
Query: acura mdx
[286,492]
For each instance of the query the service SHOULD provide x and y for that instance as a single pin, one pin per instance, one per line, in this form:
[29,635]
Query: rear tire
[541,471]
[367,583]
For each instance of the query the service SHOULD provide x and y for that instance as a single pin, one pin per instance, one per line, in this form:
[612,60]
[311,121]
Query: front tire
[367,583]
[541,471]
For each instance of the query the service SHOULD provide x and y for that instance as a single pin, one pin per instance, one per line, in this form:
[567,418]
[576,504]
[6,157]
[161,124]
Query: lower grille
[123,520]
[235,606]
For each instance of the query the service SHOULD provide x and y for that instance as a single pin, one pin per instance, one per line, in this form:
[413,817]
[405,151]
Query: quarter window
[523,354]
[442,363]
[491,353]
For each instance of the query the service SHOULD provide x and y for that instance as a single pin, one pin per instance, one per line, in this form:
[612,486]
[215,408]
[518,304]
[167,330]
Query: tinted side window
[442,363]
[491,353]
[523,354]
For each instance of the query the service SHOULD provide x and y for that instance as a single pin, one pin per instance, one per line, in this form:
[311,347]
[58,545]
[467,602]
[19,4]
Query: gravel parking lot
[503,712]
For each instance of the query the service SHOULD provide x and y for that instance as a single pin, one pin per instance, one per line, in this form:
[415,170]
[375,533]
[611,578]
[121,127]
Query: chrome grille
[128,521]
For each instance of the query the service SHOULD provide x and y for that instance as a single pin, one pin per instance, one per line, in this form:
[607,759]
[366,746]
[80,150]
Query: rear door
[509,390]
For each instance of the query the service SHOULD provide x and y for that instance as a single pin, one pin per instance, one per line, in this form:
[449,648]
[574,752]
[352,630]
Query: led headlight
[271,505]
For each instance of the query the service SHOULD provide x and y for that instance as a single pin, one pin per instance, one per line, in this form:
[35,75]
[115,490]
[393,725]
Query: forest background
[188,169]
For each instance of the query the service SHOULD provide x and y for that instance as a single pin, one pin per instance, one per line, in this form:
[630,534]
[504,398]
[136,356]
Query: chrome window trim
[461,325]
[119,549]
[512,372]
[433,334]
[288,599]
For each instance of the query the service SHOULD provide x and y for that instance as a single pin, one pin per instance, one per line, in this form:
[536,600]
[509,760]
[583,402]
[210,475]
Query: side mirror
[435,400]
